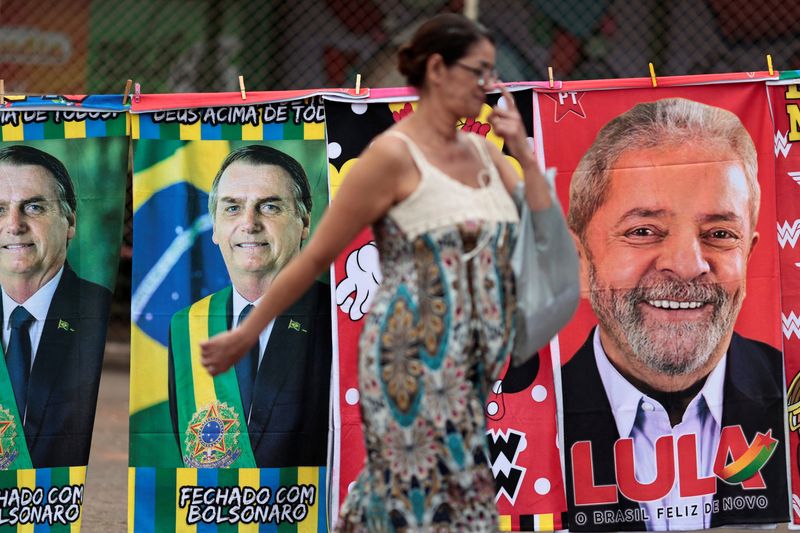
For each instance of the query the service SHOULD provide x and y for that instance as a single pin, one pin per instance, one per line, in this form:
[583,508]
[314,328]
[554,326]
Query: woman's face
[470,77]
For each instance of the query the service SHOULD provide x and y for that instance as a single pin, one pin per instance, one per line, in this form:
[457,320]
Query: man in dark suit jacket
[751,398]
[260,203]
[663,207]
[53,359]
[288,421]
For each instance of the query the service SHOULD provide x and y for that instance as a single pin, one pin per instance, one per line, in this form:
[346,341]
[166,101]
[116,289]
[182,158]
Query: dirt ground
[106,503]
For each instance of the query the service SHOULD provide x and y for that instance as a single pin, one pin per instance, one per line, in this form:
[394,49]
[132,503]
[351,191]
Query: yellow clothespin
[358,83]
[550,75]
[653,75]
[127,92]
[241,88]
[2,92]
[769,65]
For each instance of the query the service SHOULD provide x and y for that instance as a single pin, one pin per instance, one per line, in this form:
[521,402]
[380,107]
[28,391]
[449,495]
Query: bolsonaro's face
[34,232]
[256,223]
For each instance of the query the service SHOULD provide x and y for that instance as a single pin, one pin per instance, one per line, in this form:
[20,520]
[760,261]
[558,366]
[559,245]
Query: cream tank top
[440,200]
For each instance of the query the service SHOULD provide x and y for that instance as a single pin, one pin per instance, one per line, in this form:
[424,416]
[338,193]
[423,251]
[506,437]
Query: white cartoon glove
[363,276]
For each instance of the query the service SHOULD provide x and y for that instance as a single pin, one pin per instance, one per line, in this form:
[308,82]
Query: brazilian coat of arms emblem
[8,434]
[212,438]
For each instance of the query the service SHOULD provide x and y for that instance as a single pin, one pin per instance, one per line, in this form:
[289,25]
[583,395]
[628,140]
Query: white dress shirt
[644,420]
[239,303]
[37,305]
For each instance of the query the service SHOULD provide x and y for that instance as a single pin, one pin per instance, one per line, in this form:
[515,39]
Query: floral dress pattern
[436,338]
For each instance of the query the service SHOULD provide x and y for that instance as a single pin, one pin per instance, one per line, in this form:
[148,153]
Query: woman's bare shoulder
[390,144]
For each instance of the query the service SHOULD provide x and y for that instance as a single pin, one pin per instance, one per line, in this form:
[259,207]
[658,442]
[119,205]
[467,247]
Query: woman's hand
[220,352]
[507,123]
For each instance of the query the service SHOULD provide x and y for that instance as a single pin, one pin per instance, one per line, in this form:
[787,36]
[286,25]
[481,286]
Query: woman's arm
[367,193]
[507,123]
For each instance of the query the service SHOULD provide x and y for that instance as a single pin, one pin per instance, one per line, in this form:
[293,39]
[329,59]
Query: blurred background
[94,46]
[79,46]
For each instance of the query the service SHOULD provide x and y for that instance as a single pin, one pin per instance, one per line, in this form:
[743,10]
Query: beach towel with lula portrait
[671,371]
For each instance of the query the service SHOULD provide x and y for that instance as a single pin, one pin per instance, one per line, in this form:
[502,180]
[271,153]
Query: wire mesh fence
[94,46]
[78,46]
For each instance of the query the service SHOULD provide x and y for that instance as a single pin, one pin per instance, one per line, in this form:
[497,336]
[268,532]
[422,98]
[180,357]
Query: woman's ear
[435,68]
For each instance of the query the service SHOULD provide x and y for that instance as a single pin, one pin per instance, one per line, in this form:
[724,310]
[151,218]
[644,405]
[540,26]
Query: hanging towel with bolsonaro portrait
[671,371]
[223,197]
[63,166]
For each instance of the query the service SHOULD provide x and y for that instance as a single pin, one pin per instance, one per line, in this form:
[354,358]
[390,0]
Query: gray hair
[257,154]
[671,121]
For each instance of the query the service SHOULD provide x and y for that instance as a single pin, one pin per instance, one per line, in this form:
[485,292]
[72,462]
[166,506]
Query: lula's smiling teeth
[671,304]
[251,244]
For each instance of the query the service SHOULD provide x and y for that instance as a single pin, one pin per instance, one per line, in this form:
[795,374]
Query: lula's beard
[669,348]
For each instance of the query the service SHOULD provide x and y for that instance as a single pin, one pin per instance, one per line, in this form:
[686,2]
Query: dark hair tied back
[449,35]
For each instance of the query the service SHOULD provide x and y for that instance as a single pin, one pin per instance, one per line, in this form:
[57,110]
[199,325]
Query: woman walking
[442,324]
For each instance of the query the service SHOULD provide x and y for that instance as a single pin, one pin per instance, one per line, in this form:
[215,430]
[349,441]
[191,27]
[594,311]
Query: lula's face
[665,257]
[33,230]
[256,224]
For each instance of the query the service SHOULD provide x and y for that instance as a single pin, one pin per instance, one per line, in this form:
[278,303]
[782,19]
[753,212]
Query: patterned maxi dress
[437,336]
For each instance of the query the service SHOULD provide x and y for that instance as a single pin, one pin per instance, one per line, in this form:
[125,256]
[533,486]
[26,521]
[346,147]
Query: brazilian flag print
[175,265]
